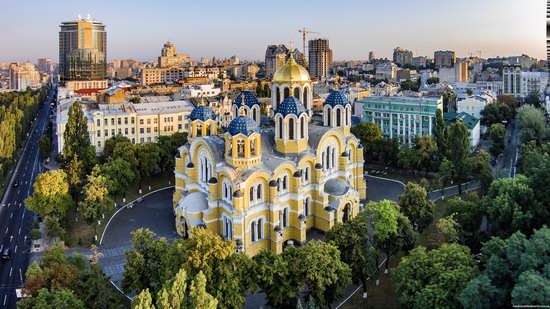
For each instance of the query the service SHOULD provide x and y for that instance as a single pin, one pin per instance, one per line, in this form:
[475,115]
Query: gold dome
[291,72]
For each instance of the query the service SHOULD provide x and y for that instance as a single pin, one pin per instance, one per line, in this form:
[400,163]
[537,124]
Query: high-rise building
[461,71]
[83,52]
[320,58]
[169,57]
[511,77]
[277,55]
[402,56]
[444,58]
[371,56]
[22,76]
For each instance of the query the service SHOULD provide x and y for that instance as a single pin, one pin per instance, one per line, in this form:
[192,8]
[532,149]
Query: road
[510,155]
[15,221]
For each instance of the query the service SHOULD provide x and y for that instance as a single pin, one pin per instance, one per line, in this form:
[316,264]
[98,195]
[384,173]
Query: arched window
[199,129]
[333,157]
[285,217]
[347,116]
[207,130]
[291,129]
[251,194]
[338,117]
[240,148]
[306,207]
[306,97]
[302,127]
[253,231]
[280,127]
[327,157]
[253,115]
[329,116]
[260,229]
[297,92]
[285,178]
[277,97]
[286,93]
[227,228]
[253,146]
[259,192]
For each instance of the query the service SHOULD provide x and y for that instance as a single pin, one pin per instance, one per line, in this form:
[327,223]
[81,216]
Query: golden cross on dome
[291,45]
[242,105]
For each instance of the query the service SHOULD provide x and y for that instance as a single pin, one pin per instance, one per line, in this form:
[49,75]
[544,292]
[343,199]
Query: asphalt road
[15,221]
[510,155]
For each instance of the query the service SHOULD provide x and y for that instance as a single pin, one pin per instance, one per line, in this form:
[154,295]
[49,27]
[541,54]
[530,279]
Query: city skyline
[219,31]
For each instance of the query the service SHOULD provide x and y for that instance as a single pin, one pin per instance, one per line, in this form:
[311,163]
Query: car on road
[6,254]
[15,184]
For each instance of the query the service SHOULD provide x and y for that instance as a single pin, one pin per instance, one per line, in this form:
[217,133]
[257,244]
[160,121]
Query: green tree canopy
[110,144]
[51,194]
[416,206]
[76,137]
[119,175]
[434,278]
[532,124]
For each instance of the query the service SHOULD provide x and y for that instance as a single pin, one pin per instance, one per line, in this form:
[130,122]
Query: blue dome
[202,113]
[249,99]
[336,98]
[244,125]
[291,105]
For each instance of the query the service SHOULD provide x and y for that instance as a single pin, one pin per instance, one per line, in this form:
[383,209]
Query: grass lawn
[81,234]
[384,295]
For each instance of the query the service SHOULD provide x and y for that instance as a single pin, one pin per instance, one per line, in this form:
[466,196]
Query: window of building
[141,140]
[133,130]
[119,121]
[113,132]
[132,120]
[98,143]
[148,130]
[126,131]
[98,133]
[291,129]
[142,130]
[306,207]
[253,231]
[149,139]
[112,121]
[149,121]
[119,131]
[240,148]
[98,122]
[106,132]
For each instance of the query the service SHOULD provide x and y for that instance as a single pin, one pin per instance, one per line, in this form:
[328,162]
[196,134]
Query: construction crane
[304,32]
[481,51]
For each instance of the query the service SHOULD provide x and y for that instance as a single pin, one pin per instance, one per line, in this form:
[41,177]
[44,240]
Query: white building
[446,75]
[140,123]
[473,105]
[511,77]
[387,70]
[195,91]
[533,82]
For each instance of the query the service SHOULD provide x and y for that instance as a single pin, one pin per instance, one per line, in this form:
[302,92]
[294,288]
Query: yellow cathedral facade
[266,184]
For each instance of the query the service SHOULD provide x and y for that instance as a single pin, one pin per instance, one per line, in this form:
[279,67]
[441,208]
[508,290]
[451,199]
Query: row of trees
[17,112]
[222,276]
[59,281]
[89,182]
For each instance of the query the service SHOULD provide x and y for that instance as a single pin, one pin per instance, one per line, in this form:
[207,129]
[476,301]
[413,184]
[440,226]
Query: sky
[137,29]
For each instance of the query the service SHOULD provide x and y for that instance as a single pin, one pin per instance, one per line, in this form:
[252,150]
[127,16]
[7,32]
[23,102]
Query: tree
[110,144]
[447,227]
[174,295]
[349,238]
[143,300]
[53,227]
[169,148]
[96,290]
[457,155]
[74,173]
[148,156]
[434,278]
[198,296]
[533,100]
[403,239]
[449,100]
[45,146]
[432,80]
[511,206]
[407,157]
[409,85]
[119,175]
[426,148]
[51,194]
[515,272]
[496,133]
[481,169]
[469,92]
[128,152]
[532,124]
[277,279]
[77,140]
[439,132]
[96,198]
[416,206]
[496,113]
[323,271]
[369,133]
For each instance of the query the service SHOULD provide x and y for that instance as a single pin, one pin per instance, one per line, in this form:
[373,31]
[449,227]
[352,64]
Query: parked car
[15,184]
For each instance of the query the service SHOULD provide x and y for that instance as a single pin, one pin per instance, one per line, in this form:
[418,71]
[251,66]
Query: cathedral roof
[249,99]
[202,113]
[291,72]
[244,125]
[336,98]
[291,105]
